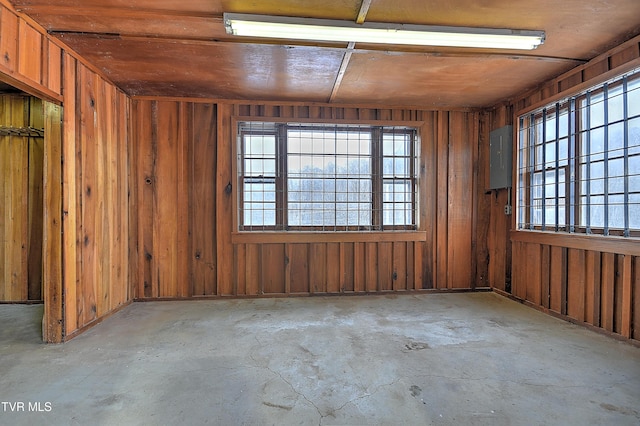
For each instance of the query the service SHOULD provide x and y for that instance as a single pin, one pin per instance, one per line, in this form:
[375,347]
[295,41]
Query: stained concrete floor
[434,359]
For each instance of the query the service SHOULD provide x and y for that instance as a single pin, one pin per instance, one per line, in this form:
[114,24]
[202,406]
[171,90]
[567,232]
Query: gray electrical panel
[500,142]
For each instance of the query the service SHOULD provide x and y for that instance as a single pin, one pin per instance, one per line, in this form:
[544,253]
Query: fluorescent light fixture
[290,28]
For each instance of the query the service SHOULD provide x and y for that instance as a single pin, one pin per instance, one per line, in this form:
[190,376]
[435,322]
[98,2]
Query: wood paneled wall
[95,202]
[21,180]
[29,59]
[600,288]
[186,245]
[591,280]
[499,224]
[86,175]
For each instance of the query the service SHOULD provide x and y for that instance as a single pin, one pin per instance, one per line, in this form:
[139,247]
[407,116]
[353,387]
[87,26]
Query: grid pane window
[326,177]
[579,162]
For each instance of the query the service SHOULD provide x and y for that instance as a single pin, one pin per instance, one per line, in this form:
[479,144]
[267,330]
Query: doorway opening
[22,167]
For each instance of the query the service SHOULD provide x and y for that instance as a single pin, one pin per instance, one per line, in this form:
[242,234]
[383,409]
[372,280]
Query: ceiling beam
[362,16]
[343,69]
[364,9]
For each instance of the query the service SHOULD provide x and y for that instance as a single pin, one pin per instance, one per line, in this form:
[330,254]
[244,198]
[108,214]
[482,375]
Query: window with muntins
[579,162]
[326,177]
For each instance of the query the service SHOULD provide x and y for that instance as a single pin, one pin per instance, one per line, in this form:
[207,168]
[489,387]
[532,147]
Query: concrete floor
[433,359]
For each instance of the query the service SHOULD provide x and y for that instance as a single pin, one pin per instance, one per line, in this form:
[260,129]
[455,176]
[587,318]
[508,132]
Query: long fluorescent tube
[283,27]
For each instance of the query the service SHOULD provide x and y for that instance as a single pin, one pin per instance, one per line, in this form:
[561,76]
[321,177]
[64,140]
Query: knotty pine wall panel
[186,245]
[175,181]
[85,188]
[29,58]
[21,182]
[96,206]
[588,286]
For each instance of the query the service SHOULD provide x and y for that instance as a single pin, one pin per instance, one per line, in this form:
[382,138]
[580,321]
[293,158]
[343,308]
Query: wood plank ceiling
[180,48]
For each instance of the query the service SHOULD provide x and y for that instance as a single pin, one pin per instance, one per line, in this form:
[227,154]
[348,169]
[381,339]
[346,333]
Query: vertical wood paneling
[203,199]
[557,279]
[534,282]
[52,220]
[498,243]
[592,287]
[183,183]
[332,267]
[30,52]
[318,268]
[371,266]
[85,180]
[146,152]
[101,197]
[482,203]
[71,200]
[29,55]
[617,293]
[8,39]
[298,267]
[598,288]
[418,270]
[14,193]
[576,284]
[18,207]
[545,272]
[385,266]
[607,293]
[425,265]
[239,273]
[301,267]
[442,205]
[626,296]
[54,68]
[635,294]
[21,163]
[460,201]
[516,264]
[347,258]
[359,277]
[35,196]
[273,268]
[409,266]
[166,213]
[252,269]
[89,202]
[399,266]
[224,207]
[95,176]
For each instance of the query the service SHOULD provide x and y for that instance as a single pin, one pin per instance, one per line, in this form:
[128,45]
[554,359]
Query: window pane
[633,96]
[259,204]
[615,103]
[397,197]
[596,113]
[260,146]
[260,167]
